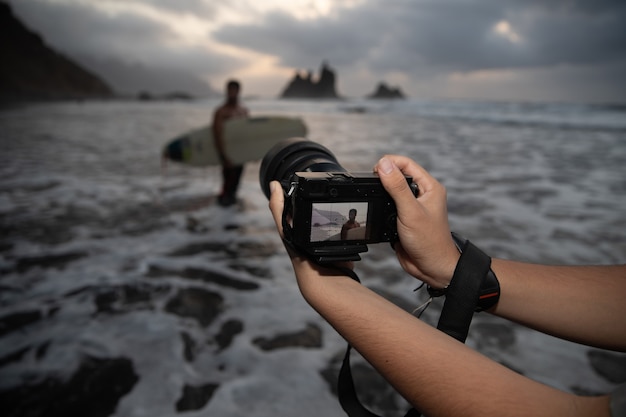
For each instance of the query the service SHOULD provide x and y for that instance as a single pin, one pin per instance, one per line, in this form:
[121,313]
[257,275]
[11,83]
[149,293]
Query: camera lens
[295,155]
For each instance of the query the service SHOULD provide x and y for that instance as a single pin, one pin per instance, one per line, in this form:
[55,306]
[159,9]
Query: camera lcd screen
[346,221]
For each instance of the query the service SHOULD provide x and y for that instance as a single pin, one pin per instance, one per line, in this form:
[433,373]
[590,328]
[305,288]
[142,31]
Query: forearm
[579,303]
[434,372]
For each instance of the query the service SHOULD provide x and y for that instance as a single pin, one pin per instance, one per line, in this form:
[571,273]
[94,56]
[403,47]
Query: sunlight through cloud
[504,29]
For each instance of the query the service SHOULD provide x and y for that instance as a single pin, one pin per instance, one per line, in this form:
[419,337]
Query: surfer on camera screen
[231,173]
[350,224]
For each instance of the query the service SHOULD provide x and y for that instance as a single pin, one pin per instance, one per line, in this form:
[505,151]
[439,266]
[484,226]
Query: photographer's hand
[426,249]
[559,295]
[305,269]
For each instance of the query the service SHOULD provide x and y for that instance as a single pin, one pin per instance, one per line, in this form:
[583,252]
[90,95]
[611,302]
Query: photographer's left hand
[306,271]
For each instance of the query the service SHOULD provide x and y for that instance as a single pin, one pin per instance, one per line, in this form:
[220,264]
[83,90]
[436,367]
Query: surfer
[350,224]
[434,372]
[231,173]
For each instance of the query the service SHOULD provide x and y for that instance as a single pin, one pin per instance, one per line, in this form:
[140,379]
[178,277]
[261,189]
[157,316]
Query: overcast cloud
[435,47]
[453,35]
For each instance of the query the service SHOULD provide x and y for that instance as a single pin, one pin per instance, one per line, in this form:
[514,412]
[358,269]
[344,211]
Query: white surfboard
[245,139]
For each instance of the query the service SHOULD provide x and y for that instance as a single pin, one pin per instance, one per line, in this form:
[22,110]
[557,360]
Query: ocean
[126,291]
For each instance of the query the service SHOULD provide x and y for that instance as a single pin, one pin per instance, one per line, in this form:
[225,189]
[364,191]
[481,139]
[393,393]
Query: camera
[334,213]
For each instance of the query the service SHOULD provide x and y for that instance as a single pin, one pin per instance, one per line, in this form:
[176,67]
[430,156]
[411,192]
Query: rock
[305,87]
[122,298]
[42,350]
[203,275]
[227,333]
[385,92]
[57,261]
[217,278]
[194,398]
[237,250]
[198,247]
[93,391]
[189,347]
[197,303]
[32,70]
[174,95]
[310,337]
[254,270]
[16,321]
[14,356]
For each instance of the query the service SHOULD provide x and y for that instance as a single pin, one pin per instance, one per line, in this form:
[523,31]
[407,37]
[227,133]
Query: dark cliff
[31,70]
[307,87]
[385,92]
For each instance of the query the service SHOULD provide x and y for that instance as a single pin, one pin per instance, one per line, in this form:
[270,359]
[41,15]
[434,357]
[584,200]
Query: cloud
[578,34]
[342,39]
[205,8]
[449,35]
[126,34]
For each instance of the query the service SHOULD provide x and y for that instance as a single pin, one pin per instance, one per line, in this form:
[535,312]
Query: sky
[537,50]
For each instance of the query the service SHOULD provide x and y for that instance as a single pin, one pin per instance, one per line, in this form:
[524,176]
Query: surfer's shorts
[618,402]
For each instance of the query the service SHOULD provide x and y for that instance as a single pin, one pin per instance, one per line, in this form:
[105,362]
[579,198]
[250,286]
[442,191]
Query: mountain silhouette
[32,70]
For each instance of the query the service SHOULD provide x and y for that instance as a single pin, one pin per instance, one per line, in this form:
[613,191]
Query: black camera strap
[462,295]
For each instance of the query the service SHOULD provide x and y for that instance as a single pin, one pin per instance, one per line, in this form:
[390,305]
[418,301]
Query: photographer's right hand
[426,249]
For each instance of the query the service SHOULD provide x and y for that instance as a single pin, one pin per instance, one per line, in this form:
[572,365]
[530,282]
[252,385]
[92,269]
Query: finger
[407,166]
[394,182]
[276,204]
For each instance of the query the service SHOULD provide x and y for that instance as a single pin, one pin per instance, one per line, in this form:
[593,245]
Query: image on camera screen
[339,221]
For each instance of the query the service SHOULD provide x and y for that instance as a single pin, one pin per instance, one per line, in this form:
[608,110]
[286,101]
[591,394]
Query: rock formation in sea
[308,87]
[32,70]
[385,92]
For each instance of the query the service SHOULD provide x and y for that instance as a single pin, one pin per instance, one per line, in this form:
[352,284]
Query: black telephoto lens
[295,155]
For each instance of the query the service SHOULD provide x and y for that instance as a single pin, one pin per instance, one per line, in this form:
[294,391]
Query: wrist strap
[463,293]
[489,294]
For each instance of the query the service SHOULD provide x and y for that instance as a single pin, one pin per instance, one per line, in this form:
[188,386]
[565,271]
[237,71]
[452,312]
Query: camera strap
[346,391]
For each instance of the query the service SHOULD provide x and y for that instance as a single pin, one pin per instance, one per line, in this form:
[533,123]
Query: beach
[125,288]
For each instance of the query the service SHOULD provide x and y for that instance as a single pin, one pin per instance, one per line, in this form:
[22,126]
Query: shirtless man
[231,173]
[350,224]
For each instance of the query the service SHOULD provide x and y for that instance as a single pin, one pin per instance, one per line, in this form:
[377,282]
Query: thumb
[276,204]
[394,182]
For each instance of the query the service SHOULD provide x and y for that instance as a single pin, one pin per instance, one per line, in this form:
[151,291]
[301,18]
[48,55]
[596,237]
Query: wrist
[449,263]
[474,265]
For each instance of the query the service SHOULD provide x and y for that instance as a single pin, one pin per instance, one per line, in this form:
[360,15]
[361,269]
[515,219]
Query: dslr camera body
[334,214]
